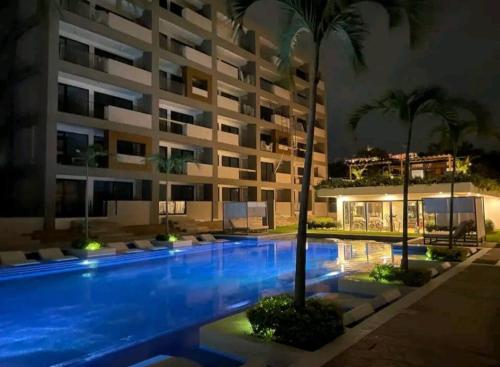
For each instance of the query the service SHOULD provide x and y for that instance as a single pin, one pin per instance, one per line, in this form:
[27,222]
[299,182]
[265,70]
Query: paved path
[458,324]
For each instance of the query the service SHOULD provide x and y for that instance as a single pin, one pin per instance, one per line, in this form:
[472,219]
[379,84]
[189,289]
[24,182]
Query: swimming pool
[65,314]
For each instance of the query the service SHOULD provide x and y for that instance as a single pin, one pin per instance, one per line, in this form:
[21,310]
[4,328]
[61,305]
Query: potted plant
[86,248]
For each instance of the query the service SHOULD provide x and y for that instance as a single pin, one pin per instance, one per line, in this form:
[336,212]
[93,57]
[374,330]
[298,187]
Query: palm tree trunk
[300,262]
[452,196]
[87,201]
[406,184]
[166,205]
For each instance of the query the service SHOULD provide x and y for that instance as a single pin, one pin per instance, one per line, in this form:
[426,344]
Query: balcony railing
[135,27]
[182,128]
[171,85]
[188,14]
[106,65]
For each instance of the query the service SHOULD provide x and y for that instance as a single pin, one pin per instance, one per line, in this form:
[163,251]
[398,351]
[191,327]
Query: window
[176,8]
[182,153]
[230,194]
[105,191]
[267,171]
[73,51]
[67,145]
[266,113]
[230,96]
[229,129]
[332,205]
[70,198]
[181,117]
[102,100]
[109,55]
[182,192]
[73,99]
[230,162]
[130,148]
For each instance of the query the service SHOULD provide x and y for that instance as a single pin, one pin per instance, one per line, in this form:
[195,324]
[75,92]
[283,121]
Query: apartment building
[166,77]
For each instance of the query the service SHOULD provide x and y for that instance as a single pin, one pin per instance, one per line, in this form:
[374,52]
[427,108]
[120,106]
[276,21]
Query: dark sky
[461,53]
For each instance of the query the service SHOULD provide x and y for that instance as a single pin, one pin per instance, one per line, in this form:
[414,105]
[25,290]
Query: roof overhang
[461,188]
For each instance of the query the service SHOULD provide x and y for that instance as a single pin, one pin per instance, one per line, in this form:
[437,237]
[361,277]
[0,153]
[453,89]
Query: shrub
[489,226]
[446,254]
[166,237]
[322,222]
[84,244]
[384,272]
[415,277]
[277,319]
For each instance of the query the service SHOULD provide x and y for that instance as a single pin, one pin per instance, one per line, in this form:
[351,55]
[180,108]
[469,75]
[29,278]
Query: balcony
[284,178]
[320,108]
[281,120]
[128,117]
[106,65]
[182,128]
[228,138]
[319,132]
[228,69]
[228,103]
[319,157]
[197,56]
[188,14]
[199,169]
[172,83]
[133,28]
[229,172]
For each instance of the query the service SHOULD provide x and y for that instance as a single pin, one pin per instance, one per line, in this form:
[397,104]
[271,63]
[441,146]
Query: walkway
[458,324]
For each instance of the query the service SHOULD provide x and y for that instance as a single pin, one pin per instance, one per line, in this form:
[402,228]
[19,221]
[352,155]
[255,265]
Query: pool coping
[355,334]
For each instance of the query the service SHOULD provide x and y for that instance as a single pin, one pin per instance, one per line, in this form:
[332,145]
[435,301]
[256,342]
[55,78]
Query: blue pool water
[85,310]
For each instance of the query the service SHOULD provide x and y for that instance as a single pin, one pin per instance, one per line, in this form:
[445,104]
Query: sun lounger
[385,298]
[54,254]
[194,240]
[166,361]
[147,245]
[210,238]
[250,225]
[460,232]
[15,258]
[122,248]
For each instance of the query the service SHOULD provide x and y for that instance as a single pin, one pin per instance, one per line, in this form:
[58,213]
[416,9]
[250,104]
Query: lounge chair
[207,237]
[194,240]
[122,248]
[54,254]
[146,245]
[15,258]
[166,361]
[252,225]
[460,232]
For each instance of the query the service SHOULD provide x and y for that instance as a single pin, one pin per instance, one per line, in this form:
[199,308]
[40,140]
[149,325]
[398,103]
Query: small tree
[407,106]
[88,157]
[169,165]
[461,118]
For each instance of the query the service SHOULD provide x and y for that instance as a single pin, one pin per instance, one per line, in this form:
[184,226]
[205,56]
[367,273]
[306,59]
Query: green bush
[166,237]
[277,319]
[322,222]
[389,273]
[415,277]
[441,253]
[489,226]
[84,244]
[384,272]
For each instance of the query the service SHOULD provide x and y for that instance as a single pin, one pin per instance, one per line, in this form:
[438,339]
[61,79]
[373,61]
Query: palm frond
[236,10]
[360,113]
[349,27]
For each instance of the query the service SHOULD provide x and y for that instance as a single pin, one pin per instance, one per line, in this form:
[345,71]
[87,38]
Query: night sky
[460,53]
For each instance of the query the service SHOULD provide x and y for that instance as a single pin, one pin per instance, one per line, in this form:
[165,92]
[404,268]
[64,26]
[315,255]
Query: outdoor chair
[15,258]
[54,254]
[146,245]
[122,248]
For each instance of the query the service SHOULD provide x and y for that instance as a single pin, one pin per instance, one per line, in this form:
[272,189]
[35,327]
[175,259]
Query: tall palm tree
[460,119]
[320,19]
[89,158]
[408,107]
[169,165]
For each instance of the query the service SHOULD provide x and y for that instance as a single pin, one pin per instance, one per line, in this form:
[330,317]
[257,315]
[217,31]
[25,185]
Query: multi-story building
[167,77]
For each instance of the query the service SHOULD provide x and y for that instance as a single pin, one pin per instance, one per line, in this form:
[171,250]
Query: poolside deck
[458,324]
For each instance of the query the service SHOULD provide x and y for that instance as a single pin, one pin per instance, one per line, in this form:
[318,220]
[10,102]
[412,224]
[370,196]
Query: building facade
[163,78]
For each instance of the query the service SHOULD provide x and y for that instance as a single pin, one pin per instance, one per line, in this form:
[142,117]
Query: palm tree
[321,19]
[169,165]
[408,107]
[88,157]
[461,118]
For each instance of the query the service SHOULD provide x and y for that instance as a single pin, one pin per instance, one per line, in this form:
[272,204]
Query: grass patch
[365,277]
[293,228]
[493,237]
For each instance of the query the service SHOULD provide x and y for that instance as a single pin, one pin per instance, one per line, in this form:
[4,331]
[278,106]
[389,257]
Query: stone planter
[232,336]
[87,254]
